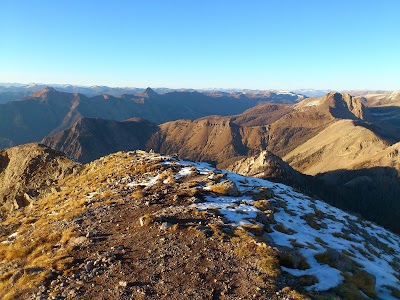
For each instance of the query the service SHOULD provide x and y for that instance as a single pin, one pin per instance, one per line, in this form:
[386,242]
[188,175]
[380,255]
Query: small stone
[165,226]
[194,200]
[143,221]
[17,275]
[89,266]
[123,283]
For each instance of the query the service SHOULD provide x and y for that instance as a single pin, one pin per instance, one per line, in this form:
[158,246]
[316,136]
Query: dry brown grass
[363,281]
[263,205]
[313,220]
[282,228]
[221,232]
[293,260]
[247,246]
[268,261]
[307,280]
[295,295]
[40,243]
[219,189]
[320,241]
[296,244]
[189,192]
[394,291]
[255,229]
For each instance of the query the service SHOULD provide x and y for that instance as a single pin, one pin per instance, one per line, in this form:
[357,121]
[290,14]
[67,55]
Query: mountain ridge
[134,217]
[49,111]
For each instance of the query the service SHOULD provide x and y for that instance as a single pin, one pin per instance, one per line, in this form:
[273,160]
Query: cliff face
[344,106]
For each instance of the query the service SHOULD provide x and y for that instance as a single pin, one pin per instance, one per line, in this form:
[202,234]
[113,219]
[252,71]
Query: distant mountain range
[49,111]
[15,91]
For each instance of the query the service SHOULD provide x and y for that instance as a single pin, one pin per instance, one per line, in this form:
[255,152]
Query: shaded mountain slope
[27,171]
[29,120]
[372,192]
[387,119]
[89,139]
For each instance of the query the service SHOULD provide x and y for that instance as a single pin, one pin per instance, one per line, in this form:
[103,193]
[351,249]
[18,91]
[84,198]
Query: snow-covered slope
[334,247]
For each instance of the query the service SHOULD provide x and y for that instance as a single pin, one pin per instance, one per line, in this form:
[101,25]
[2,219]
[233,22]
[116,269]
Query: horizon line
[14,84]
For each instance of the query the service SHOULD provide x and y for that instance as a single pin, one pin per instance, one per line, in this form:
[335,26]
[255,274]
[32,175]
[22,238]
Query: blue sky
[285,44]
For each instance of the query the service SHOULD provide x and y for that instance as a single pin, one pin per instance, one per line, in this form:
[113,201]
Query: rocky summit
[139,225]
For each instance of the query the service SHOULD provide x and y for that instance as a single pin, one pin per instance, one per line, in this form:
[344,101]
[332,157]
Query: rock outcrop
[27,171]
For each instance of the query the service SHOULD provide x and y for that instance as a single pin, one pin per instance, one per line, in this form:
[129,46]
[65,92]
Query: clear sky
[261,44]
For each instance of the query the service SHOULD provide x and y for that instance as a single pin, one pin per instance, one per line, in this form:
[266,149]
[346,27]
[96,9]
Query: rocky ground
[139,225]
[140,238]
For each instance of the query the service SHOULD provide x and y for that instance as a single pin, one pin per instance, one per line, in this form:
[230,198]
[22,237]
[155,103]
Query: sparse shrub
[348,291]
[67,235]
[63,264]
[166,174]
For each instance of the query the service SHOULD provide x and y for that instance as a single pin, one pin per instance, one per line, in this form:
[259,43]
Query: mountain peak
[148,93]
[339,105]
[43,92]
[344,106]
